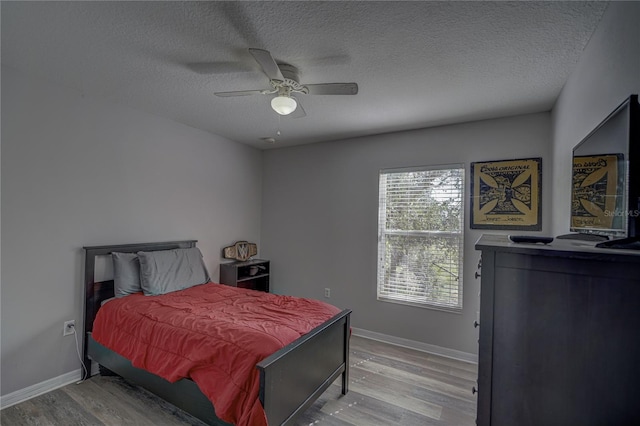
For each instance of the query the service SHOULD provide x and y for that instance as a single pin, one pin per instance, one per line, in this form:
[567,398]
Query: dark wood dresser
[559,334]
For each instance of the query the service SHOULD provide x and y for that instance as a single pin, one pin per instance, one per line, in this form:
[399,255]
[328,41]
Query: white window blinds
[420,236]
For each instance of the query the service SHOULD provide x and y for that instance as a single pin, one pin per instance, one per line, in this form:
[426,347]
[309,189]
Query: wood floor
[389,385]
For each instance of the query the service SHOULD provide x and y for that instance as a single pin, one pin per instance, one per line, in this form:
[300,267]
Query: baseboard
[419,346]
[38,389]
[32,391]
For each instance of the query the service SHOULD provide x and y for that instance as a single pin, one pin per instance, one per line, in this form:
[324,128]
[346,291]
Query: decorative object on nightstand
[252,274]
[241,250]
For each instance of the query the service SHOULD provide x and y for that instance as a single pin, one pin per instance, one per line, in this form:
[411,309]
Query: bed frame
[291,379]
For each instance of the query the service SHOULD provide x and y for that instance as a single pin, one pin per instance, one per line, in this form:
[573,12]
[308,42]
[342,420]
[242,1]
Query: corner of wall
[608,72]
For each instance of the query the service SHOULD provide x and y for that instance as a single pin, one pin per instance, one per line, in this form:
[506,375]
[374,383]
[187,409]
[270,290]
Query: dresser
[559,339]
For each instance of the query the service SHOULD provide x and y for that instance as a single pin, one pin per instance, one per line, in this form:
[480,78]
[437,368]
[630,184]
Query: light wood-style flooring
[389,385]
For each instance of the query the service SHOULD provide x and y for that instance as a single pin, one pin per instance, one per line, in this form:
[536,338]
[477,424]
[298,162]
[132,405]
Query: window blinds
[420,236]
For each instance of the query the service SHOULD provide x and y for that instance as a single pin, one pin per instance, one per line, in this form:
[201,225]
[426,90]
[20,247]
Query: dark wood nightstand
[252,274]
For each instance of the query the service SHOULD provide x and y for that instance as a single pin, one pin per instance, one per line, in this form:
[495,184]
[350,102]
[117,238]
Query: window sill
[451,310]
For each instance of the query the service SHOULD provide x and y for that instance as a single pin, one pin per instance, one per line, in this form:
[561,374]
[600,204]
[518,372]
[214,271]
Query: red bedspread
[212,333]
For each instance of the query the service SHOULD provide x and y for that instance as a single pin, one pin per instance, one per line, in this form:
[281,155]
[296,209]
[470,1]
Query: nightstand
[252,274]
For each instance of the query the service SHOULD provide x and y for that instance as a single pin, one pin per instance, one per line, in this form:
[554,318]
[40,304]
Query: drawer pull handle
[477,275]
[476,324]
[474,390]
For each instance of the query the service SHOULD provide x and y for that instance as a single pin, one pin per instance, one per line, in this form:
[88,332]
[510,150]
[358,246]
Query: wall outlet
[69,327]
[327,292]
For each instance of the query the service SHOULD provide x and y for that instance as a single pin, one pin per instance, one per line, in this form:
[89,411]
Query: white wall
[320,210]
[76,172]
[607,73]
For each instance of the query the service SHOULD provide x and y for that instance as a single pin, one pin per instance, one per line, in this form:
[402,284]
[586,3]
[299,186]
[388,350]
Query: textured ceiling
[417,64]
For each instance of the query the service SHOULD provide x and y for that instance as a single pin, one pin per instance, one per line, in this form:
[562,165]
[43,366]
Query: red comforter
[212,333]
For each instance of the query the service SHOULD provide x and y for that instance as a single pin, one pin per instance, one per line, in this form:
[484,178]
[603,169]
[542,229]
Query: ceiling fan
[284,81]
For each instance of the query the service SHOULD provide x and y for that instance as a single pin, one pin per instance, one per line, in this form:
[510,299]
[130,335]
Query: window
[421,236]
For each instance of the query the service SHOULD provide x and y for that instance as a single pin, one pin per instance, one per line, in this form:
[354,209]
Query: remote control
[530,239]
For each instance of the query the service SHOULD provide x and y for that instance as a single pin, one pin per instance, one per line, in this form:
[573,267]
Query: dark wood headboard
[97,292]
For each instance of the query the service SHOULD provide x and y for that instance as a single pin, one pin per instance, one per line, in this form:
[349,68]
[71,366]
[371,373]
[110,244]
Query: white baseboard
[419,346]
[38,389]
[32,391]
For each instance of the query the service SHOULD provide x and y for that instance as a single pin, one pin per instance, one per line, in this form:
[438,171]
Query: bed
[291,378]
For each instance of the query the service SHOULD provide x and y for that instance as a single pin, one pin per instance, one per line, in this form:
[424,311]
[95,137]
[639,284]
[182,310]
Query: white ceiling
[417,64]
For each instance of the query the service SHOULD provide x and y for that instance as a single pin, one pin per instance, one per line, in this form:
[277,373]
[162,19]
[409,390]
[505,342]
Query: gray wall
[320,210]
[607,73]
[75,172]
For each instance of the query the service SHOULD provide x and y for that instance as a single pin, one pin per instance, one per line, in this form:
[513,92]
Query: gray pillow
[165,271]
[126,274]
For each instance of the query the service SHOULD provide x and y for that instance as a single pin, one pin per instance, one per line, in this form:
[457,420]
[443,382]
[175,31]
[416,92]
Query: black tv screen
[605,192]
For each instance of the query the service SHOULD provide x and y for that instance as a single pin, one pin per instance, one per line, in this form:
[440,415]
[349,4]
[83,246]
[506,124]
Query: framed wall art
[506,194]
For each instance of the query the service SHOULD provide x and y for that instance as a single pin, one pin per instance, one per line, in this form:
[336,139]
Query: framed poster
[597,191]
[507,194]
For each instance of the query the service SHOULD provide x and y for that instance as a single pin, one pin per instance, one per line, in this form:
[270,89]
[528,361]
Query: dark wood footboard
[295,376]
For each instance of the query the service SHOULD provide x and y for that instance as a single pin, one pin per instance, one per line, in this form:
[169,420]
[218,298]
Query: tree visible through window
[420,236]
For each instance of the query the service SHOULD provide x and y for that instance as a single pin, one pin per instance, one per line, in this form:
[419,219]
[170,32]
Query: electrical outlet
[327,292]
[69,327]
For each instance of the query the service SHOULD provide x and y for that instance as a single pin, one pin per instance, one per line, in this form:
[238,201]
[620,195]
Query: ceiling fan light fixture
[284,105]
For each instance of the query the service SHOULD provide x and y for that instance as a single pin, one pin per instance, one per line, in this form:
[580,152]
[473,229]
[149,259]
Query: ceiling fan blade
[268,64]
[239,93]
[218,67]
[299,111]
[332,89]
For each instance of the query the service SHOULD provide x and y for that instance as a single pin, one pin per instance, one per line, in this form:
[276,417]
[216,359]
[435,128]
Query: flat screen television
[605,192]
